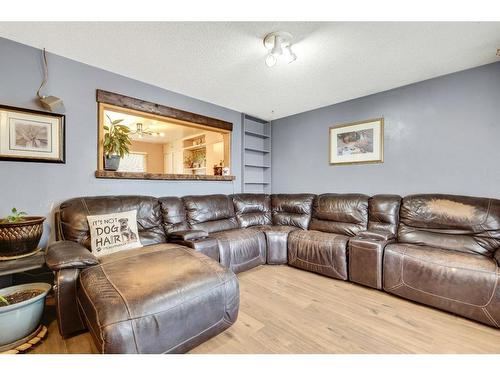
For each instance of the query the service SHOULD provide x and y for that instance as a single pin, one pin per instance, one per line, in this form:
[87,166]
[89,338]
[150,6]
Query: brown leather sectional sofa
[439,250]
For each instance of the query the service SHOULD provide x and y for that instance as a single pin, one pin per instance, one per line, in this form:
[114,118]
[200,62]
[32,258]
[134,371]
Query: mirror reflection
[163,146]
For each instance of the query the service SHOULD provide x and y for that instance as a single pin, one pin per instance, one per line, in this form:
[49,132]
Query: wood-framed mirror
[188,146]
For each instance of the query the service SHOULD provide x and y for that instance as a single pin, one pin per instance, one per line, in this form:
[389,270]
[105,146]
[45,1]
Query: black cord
[45,73]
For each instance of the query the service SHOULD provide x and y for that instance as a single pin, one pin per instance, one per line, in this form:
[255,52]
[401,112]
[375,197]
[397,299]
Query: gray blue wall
[441,135]
[37,187]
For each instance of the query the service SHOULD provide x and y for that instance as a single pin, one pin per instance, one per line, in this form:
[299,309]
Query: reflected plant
[116,138]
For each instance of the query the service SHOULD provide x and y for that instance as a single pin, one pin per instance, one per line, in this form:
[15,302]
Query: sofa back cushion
[73,224]
[345,214]
[383,213]
[252,209]
[211,213]
[292,209]
[451,222]
[173,214]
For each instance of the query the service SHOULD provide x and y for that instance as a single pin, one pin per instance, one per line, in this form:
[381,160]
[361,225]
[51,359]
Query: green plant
[199,157]
[14,217]
[3,300]
[116,138]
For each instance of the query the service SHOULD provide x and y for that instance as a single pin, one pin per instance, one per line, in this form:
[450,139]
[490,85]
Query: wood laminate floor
[286,310]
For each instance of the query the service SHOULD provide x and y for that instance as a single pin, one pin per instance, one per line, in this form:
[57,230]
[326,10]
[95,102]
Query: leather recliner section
[462,283]
[345,214]
[211,213]
[451,222]
[173,214]
[292,209]
[73,214]
[319,252]
[239,248]
[445,255]
[383,213]
[178,230]
[323,249]
[254,210]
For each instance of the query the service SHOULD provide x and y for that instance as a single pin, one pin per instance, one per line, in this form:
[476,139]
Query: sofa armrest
[68,254]
[497,256]
[187,235]
[378,235]
[208,246]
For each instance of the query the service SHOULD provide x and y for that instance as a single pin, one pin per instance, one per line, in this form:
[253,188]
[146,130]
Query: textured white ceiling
[223,63]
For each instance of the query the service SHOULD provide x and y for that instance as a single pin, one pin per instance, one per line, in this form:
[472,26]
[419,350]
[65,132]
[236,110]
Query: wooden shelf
[257,166]
[159,176]
[195,147]
[257,150]
[256,134]
[34,261]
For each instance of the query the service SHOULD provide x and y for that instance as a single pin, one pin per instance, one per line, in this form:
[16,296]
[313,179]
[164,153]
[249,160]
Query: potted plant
[21,309]
[115,144]
[20,234]
[200,159]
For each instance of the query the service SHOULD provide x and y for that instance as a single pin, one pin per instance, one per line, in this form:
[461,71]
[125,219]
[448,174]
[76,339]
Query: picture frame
[30,135]
[360,142]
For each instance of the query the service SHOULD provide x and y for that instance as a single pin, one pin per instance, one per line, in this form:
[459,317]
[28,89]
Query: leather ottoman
[163,298]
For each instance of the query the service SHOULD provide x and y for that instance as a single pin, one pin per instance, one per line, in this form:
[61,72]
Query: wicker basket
[20,238]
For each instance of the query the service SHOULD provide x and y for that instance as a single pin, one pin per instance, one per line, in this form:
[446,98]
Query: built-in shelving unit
[256,155]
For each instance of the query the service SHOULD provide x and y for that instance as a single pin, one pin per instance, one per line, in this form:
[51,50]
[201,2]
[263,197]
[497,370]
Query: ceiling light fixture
[279,46]
[141,131]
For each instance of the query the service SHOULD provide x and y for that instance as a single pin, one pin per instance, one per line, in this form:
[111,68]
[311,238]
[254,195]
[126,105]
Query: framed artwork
[30,135]
[357,142]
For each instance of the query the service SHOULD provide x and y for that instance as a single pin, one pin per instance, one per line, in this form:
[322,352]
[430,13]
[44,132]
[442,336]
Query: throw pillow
[113,232]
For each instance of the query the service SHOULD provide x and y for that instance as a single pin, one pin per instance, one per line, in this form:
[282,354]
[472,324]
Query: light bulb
[289,55]
[271,60]
[277,48]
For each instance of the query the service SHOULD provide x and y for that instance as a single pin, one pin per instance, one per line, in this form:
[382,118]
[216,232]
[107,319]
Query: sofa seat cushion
[241,249]
[163,298]
[323,253]
[463,283]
